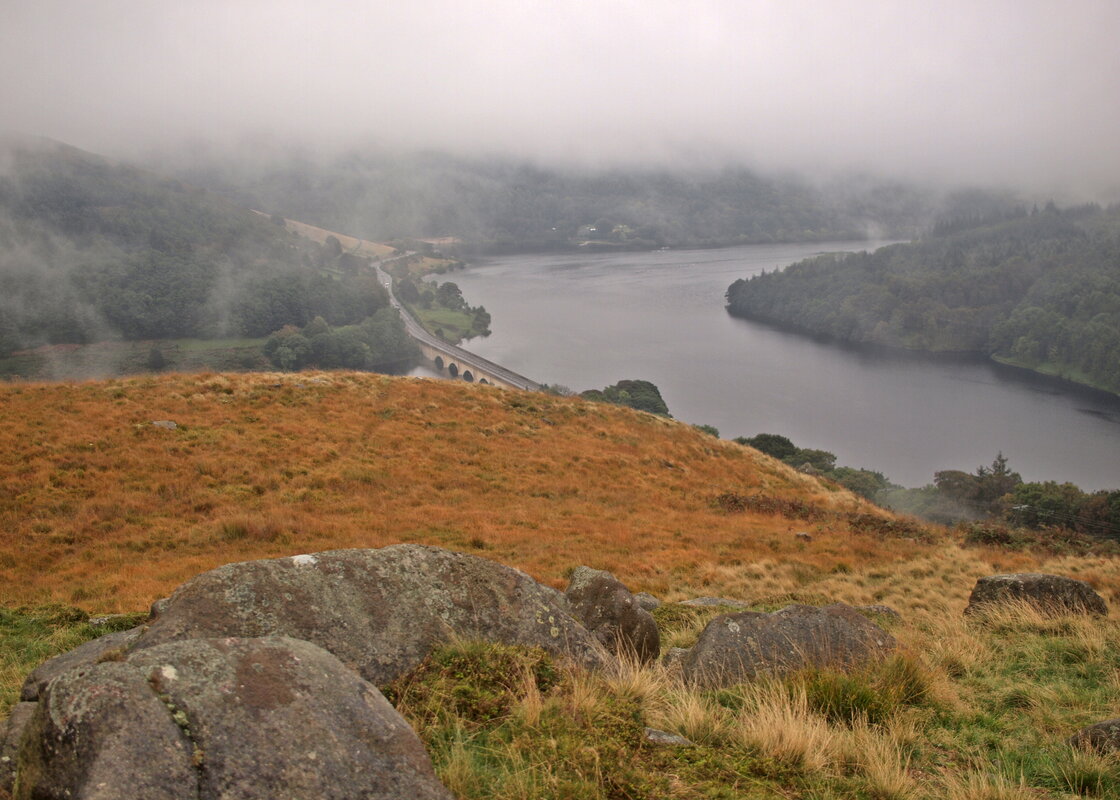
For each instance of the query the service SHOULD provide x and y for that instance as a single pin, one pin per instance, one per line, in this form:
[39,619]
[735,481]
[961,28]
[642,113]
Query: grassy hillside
[103,511]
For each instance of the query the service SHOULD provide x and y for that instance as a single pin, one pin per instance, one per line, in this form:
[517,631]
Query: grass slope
[101,511]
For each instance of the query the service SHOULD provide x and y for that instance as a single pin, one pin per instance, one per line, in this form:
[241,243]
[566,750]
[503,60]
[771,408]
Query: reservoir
[587,320]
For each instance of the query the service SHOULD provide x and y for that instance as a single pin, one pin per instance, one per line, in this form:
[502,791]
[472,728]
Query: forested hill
[1038,290]
[495,204]
[93,250]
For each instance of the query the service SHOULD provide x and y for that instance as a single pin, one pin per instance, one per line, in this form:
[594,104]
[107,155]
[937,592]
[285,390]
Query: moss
[473,682]
[29,635]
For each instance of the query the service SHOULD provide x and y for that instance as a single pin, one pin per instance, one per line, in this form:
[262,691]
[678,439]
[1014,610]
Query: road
[464,358]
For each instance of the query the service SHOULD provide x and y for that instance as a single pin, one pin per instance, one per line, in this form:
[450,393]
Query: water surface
[588,320]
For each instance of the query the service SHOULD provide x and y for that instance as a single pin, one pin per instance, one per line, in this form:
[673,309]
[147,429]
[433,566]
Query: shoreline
[1008,366]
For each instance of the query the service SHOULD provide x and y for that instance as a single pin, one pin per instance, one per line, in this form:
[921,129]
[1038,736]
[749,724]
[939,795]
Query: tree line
[93,250]
[993,493]
[505,205]
[1038,290]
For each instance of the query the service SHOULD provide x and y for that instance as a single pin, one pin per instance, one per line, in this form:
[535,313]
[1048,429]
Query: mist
[1012,93]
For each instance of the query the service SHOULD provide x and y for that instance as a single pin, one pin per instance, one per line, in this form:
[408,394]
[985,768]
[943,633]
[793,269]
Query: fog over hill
[1016,94]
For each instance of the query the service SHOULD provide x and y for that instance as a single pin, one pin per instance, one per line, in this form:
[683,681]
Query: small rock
[804,536]
[647,601]
[715,601]
[105,619]
[879,610]
[665,738]
[164,423]
[673,657]
[1053,594]
[612,614]
[1104,737]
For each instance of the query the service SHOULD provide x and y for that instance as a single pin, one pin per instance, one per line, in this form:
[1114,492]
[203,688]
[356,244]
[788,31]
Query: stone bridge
[457,362]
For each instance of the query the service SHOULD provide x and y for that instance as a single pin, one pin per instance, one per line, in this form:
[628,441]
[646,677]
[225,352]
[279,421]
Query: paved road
[464,358]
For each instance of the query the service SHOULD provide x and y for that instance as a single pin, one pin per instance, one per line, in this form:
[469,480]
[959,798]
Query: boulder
[737,647]
[99,731]
[89,653]
[221,718]
[612,614]
[647,601]
[1104,737]
[1054,594]
[379,611]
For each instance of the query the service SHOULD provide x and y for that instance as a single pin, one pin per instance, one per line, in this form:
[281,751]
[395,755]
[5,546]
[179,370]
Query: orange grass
[101,509]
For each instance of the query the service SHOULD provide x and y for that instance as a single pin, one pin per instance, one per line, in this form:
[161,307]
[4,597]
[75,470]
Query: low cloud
[1021,93]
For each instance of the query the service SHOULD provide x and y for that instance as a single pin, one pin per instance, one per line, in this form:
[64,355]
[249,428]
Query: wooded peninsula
[1038,289]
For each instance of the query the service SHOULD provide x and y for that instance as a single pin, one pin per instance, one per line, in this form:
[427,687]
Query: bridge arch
[439,362]
[468,376]
[453,368]
[483,380]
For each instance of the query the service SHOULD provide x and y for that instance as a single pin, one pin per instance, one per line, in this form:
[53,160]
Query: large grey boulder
[218,719]
[613,615]
[379,611]
[1054,594]
[738,647]
[101,732]
[1104,737]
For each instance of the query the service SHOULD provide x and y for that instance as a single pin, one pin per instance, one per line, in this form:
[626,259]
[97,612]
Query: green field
[100,359]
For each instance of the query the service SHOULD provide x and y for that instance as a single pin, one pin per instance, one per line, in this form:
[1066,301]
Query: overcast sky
[1017,91]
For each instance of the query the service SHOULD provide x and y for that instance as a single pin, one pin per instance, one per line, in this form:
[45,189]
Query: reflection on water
[589,320]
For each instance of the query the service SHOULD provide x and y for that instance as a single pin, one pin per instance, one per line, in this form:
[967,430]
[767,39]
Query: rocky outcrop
[1053,594]
[606,608]
[258,679]
[737,647]
[221,718]
[1104,737]
[379,611]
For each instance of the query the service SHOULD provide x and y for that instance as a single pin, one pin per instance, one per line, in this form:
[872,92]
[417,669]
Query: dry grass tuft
[779,723]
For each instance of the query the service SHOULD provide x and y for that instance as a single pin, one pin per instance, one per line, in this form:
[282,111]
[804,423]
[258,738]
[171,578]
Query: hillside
[93,250]
[506,205]
[1039,291]
[108,511]
[117,491]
